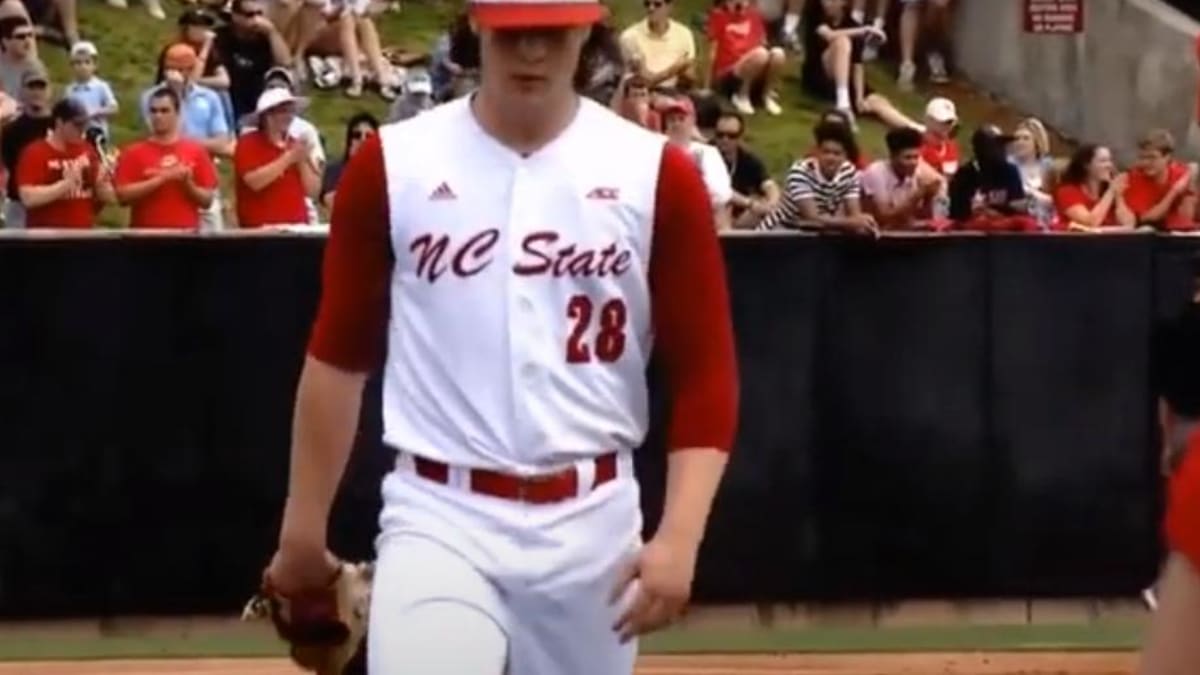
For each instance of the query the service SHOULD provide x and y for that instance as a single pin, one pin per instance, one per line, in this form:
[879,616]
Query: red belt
[547,488]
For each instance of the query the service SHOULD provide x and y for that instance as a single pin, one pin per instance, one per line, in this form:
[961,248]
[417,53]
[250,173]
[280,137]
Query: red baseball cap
[537,13]
[682,105]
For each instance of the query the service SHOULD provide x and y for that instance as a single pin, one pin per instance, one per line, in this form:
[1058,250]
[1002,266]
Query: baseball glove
[324,628]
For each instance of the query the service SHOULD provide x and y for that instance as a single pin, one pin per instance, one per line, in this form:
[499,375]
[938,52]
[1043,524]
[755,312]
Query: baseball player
[512,259]
[1171,645]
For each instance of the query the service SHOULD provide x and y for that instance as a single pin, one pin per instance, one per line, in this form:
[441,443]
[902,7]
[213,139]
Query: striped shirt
[806,181]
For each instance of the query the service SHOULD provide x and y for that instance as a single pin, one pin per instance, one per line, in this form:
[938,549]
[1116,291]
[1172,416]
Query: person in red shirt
[274,171]
[1091,196]
[167,179]
[743,66]
[1161,191]
[60,179]
[939,148]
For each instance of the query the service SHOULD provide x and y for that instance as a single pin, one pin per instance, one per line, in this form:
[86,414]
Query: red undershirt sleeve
[351,325]
[1183,504]
[690,310]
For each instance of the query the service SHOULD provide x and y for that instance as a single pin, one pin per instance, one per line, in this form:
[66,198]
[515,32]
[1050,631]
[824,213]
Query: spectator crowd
[228,87]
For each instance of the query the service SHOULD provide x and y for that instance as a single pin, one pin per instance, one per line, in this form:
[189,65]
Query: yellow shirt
[658,52]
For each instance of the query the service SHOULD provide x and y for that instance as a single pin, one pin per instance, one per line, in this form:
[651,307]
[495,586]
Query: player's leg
[572,632]
[433,613]
[1171,645]
[564,622]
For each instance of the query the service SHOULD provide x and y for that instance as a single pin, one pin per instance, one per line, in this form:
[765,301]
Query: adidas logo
[442,191]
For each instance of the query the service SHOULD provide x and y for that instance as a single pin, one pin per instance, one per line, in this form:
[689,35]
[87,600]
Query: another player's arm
[1171,644]
[694,342]
[346,345]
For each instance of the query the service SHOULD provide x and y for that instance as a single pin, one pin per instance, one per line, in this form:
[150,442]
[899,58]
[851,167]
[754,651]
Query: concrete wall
[1133,68]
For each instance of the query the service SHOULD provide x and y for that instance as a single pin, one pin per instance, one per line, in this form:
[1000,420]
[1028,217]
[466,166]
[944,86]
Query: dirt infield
[1039,663]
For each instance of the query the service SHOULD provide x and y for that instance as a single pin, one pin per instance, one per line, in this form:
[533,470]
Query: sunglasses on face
[730,135]
[22,36]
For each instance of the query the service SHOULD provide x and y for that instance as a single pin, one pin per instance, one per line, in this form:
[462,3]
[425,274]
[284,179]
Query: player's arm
[347,343]
[694,343]
[1171,644]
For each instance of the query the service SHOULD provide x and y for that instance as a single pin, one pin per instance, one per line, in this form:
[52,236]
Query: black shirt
[747,174]
[17,135]
[999,185]
[812,71]
[247,59]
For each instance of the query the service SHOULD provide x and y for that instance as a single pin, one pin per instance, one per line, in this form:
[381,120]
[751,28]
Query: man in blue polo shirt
[202,117]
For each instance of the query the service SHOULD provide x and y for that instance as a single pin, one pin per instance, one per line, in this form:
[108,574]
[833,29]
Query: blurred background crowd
[242,113]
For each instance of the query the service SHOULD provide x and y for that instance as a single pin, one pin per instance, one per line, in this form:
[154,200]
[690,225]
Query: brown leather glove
[323,628]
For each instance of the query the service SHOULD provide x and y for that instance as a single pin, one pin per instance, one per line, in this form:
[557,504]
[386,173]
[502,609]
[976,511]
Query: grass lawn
[1116,636]
[129,42]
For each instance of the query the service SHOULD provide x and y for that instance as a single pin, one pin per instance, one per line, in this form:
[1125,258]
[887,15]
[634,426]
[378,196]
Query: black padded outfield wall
[957,416]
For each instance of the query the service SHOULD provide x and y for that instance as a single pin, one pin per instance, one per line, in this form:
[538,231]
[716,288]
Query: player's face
[533,62]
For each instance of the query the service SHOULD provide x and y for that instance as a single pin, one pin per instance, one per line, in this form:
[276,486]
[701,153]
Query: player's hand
[296,568]
[662,576]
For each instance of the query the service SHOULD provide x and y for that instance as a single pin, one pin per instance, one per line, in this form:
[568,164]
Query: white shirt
[520,309]
[715,173]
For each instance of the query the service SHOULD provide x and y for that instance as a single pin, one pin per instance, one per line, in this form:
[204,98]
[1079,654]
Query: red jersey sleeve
[1183,506]
[690,307]
[33,167]
[351,326]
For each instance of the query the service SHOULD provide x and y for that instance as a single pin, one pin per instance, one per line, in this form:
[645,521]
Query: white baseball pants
[472,585]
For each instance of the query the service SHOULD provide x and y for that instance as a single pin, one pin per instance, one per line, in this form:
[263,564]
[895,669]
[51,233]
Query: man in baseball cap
[531,241]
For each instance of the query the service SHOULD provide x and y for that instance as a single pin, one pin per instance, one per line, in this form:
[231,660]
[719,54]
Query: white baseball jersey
[520,309]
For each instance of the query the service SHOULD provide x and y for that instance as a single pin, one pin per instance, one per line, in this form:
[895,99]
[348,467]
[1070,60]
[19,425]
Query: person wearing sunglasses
[360,127]
[251,45]
[16,51]
[660,50]
[755,194]
[61,179]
